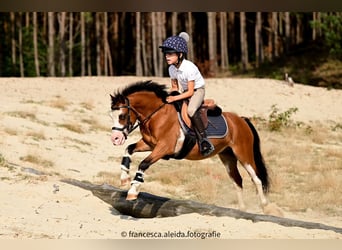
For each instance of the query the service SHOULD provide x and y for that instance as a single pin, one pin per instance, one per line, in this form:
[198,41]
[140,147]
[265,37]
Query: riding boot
[204,144]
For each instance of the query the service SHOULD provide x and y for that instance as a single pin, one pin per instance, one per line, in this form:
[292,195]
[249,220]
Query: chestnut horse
[143,104]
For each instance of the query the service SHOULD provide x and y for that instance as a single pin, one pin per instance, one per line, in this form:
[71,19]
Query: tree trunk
[61,20]
[259,52]
[223,41]
[189,30]
[152,206]
[110,61]
[287,32]
[20,38]
[88,46]
[231,35]
[316,29]
[154,43]
[212,42]
[98,46]
[83,44]
[319,23]
[45,24]
[108,49]
[35,44]
[243,41]
[174,21]
[275,45]
[146,68]
[269,52]
[105,40]
[138,66]
[13,40]
[160,36]
[71,43]
[27,19]
[51,48]
[115,37]
[299,37]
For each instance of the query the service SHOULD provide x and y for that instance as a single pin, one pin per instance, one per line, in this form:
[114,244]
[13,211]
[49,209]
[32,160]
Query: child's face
[171,58]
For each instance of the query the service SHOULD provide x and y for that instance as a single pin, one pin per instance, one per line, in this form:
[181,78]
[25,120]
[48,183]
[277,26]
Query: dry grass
[11,131]
[31,115]
[72,127]
[81,142]
[30,101]
[4,163]
[89,104]
[36,135]
[59,102]
[106,177]
[305,170]
[94,124]
[37,160]
[27,115]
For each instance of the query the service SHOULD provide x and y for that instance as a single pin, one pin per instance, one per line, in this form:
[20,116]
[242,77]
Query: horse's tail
[259,160]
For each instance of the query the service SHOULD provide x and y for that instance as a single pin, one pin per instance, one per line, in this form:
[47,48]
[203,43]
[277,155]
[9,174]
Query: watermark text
[171,234]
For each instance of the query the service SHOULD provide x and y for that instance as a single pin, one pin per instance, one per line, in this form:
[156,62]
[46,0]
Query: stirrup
[208,149]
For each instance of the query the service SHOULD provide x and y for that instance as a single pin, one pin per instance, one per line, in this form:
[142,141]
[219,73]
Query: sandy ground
[31,205]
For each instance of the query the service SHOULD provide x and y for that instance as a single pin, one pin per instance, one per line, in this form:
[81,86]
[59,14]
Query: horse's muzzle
[118,137]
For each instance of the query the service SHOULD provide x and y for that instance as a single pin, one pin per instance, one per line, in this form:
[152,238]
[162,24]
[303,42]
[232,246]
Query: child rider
[186,74]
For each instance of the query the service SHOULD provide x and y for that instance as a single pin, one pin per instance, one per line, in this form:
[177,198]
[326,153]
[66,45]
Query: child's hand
[170,99]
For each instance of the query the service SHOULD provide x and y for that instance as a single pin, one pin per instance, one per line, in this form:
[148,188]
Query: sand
[37,205]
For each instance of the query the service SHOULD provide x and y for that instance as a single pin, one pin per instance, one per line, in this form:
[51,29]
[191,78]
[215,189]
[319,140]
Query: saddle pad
[217,127]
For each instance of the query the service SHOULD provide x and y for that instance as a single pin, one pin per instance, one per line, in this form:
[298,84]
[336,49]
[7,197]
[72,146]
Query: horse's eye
[122,117]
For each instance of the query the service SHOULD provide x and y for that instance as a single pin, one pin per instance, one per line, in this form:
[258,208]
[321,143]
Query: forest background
[307,46]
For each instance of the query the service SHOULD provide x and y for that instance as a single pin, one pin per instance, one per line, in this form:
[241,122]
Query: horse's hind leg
[245,157]
[257,182]
[230,162]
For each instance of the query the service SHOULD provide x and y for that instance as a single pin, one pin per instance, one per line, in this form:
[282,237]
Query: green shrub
[277,119]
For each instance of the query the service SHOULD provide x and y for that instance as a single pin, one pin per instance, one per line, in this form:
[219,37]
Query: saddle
[213,120]
[208,108]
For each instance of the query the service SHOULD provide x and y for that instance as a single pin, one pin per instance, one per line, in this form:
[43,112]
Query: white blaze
[117,137]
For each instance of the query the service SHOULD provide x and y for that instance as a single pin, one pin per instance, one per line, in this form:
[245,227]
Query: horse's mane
[158,89]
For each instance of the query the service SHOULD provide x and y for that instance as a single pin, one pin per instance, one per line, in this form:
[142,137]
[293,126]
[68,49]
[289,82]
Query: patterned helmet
[176,44]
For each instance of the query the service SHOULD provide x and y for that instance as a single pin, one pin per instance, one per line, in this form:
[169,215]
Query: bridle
[129,125]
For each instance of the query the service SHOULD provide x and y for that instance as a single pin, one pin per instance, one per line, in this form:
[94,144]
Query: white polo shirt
[187,71]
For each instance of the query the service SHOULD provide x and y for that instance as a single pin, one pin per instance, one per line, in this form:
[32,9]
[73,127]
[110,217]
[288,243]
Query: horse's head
[123,116]
[123,113]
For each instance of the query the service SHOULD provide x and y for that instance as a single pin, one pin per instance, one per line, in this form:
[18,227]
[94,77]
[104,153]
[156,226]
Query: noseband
[129,125]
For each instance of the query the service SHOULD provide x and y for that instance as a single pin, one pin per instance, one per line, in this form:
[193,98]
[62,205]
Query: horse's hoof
[125,182]
[131,197]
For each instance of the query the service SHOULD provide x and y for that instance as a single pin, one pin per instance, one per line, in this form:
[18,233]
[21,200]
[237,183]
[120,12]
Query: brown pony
[144,104]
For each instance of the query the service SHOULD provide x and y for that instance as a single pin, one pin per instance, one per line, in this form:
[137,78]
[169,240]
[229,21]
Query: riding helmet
[176,44]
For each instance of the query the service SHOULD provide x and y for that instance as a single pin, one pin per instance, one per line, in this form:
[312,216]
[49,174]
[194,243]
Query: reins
[146,118]
[129,126]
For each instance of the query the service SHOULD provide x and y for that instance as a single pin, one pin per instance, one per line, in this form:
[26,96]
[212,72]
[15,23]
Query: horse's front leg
[157,153]
[139,146]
